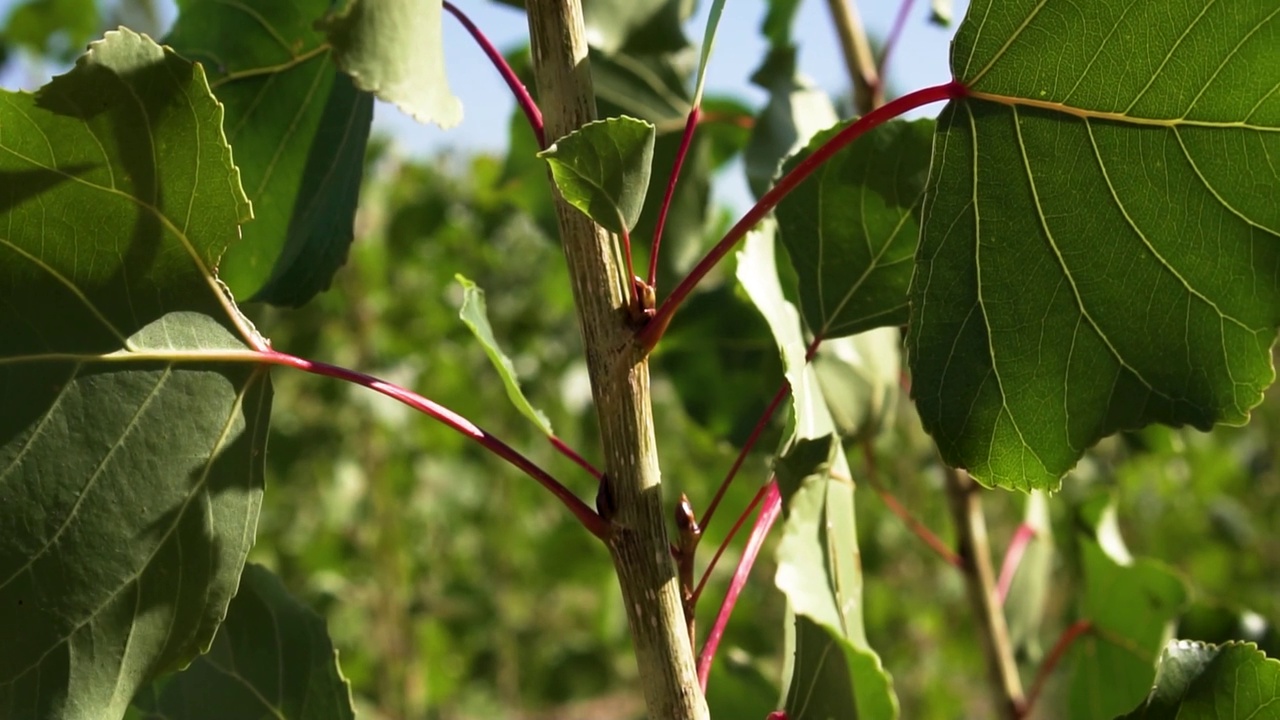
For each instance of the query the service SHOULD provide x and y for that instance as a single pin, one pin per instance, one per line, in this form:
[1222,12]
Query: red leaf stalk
[523,98]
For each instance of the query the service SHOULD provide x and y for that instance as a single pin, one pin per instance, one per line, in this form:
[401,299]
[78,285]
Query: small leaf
[272,657]
[851,227]
[708,42]
[134,417]
[298,127]
[476,317]
[1198,681]
[394,49]
[940,12]
[602,168]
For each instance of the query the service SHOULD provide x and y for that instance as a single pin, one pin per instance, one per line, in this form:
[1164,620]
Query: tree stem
[631,492]
[868,90]
[980,578]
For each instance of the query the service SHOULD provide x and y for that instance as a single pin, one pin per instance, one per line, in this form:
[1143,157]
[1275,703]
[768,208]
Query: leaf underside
[131,448]
[1101,239]
[1195,678]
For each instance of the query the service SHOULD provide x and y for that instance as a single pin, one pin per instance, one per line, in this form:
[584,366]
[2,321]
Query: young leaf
[1198,681]
[851,227]
[299,129]
[603,169]
[134,423]
[1100,246]
[272,658]
[833,672]
[394,49]
[475,316]
[1132,605]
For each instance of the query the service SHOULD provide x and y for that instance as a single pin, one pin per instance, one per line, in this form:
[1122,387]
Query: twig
[764,521]
[868,90]
[1068,636]
[975,554]
[580,510]
[1022,537]
[523,98]
[573,455]
[747,446]
[724,545]
[921,530]
[653,330]
[895,33]
[686,140]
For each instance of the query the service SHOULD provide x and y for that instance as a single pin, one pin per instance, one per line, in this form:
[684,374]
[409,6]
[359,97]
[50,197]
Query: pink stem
[724,545]
[653,330]
[585,515]
[895,33]
[523,98]
[573,455]
[742,454]
[686,141]
[1065,640]
[1022,537]
[764,522]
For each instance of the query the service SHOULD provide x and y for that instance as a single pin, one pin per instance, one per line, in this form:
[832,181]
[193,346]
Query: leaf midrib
[1119,117]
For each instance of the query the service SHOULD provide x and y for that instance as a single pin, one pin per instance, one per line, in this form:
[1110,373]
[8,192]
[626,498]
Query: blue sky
[920,59]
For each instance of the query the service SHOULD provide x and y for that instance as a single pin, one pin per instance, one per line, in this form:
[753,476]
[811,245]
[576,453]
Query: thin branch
[868,90]
[724,545]
[653,330]
[1068,636]
[769,512]
[895,34]
[917,527]
[523,98]
[1022,537]
[747,446]
[588,517]
[686,140]
[573,455]
[975,554]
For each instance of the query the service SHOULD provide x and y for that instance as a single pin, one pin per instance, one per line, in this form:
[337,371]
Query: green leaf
[272,657]
[602,168]
[1132,605]
[832,671]
[61,27]
[615,26]
[796,111]
[134,423]
[298,127]
[708,42]
[859,379]
[851,227]
[476,317]
[1100,247]
[1197,681]
[394,49]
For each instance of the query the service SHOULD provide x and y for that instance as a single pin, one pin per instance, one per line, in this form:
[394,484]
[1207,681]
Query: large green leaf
[1197,681]
[272,658]
[603,167]
[832,671]
[134,422]
[299,129]
[1100,243]
[851,227]
[395,50]
[1132,605]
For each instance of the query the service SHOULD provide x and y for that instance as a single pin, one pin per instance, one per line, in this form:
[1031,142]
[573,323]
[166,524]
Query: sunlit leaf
[1198,681]
[134,422]
[298,128]
[602,168]
[859,378]
[395,50]
[850,228]
[272,658]
[832,671]
[1100,245]
[476,317]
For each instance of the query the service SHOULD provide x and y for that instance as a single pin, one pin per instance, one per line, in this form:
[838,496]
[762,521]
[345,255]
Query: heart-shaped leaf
[134,422]
[602,168]
[851,227]
[272,658]
[299,129]
[1198,681]
[1101,235]
[395,50]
